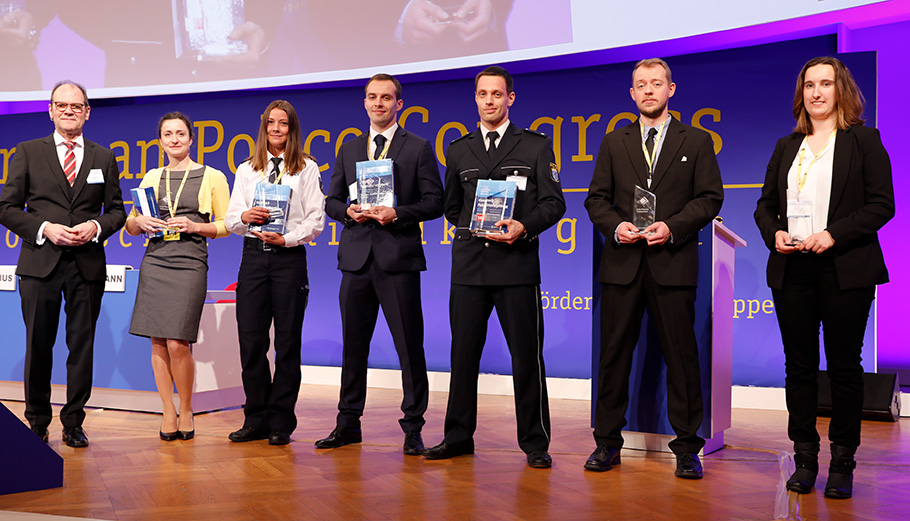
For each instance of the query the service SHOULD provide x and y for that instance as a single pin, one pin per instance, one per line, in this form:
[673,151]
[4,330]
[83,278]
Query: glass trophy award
[375,183]
[644,208]
[799,217]
[494,201]
[276,199]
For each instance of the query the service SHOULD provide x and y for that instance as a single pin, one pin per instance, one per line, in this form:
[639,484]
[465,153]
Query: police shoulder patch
[554,172]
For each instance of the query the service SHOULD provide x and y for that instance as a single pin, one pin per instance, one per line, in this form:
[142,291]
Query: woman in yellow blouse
[192,201]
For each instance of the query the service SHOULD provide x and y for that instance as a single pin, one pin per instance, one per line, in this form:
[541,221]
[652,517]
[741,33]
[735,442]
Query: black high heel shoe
[186,435]
[168,436]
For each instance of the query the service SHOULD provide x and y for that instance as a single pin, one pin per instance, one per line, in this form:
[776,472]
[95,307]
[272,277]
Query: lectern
[648,427]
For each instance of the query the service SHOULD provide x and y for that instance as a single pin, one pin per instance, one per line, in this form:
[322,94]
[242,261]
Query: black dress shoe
[340,437]
[413,443]
[602,459]
[688,466]
[75,437]
[41,432]
[539,459]
[279,438]
[247,434]
[446,451]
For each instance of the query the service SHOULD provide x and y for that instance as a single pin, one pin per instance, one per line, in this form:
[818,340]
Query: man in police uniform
[499,270]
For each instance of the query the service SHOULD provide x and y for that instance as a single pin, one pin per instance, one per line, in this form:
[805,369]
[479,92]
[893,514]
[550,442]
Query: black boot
[840,473]
[806,458]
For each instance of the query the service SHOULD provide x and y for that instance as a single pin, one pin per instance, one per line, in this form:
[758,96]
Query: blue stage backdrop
[742,97]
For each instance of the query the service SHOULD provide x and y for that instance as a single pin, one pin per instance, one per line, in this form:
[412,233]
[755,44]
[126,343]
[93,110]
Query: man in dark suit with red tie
[69,189]
[380,256]
[656,267]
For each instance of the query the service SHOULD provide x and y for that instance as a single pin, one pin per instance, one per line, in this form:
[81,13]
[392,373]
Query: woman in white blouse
[272,284]
[827,192]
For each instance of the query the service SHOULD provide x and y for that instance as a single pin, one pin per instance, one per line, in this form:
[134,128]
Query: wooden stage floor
[127,473]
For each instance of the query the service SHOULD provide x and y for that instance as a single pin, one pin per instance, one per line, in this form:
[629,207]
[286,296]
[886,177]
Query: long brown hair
[294,156]
[850,100]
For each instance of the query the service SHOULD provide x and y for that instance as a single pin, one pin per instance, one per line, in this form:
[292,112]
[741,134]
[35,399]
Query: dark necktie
[649,142]
[69,162]
[492,136]
[380,144]
[274,175]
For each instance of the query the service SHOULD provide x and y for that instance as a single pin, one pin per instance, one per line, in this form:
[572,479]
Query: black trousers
[41,299]
[672,309]
[521,318]
[811,297]
[272,286]
[362,293]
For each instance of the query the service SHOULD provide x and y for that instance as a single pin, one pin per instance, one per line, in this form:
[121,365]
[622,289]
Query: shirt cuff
[98,232]
[39,240]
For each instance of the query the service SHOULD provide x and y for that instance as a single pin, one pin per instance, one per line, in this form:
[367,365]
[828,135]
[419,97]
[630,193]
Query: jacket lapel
[673,139]
[82,176]
[397,142]
[632,142]
[475,143]
[53,162]
[783,169]
[509,140]
[843,151]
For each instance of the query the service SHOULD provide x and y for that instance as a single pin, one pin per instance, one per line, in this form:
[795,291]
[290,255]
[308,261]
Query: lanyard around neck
[800,175]
[385,149]
[172,208]
[648,157]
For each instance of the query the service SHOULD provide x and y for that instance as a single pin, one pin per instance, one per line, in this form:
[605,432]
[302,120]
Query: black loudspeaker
[881,397]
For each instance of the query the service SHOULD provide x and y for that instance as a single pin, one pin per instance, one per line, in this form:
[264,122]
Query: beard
[653,112]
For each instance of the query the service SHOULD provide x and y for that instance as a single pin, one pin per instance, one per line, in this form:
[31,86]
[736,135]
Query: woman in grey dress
[192,201]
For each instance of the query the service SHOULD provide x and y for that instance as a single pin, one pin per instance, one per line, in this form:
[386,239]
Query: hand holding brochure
[375,184]
[494,201]
[146,203]
[276,198]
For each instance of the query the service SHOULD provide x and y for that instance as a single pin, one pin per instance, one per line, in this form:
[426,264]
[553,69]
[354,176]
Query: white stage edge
[766,398]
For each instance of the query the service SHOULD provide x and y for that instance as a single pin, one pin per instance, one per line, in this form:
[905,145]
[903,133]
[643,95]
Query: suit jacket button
[486,244]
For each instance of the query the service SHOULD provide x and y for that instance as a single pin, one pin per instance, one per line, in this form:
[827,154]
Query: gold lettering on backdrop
[424,114]
[12,240]
[556,123]
[441,137]
[232,151]
[583,125]
[350,131]
[308,143]
[334,226]
[6,153]
[124,158]
[622,116]
[715,116]
[448,232]
[201,147]
[143,156]
[122,241]
[570,239]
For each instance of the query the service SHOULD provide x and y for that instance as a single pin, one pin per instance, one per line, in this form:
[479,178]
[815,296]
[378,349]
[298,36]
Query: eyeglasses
[77,108]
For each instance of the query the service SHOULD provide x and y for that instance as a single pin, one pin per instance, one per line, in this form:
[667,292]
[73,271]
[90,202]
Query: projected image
[191,45]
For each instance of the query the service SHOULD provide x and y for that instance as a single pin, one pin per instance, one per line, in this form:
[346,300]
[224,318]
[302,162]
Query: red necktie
[69,162]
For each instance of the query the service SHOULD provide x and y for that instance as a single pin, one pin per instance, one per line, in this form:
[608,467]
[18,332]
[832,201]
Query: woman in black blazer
[827,192]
